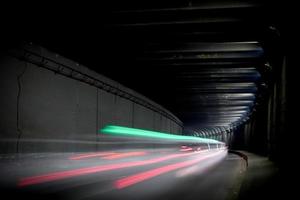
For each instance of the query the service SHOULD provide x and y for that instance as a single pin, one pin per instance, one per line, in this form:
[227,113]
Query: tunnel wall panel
[124,112]
[48,105]
[157,122]
[9,93]
[107,108]
[143,117]
[165,124]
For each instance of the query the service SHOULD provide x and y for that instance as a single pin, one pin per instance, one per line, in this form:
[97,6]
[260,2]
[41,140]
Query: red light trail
[131,180]
[89,170]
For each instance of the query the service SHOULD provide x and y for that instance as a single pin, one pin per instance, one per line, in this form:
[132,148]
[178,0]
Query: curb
[244,156]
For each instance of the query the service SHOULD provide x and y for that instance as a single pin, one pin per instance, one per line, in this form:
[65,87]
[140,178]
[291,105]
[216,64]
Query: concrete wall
[46,111]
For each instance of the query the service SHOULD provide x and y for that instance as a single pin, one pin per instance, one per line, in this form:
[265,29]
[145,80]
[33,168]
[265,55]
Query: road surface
[166,173]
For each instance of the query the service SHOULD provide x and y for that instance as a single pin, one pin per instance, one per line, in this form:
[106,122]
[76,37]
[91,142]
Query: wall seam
[132,115]
[19,130]
[97,117]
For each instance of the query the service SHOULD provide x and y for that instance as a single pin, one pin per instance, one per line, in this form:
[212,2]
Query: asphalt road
[166,173]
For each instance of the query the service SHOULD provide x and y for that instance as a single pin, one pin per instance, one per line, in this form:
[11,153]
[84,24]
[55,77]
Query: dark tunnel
[146,100]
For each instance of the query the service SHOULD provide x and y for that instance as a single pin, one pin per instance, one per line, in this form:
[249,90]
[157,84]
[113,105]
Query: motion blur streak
[124,155]
[186,148]
[131,180]
[89,170]
[90,155]
[141,133]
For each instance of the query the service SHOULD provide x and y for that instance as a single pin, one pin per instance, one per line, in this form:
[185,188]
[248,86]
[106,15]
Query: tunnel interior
[219,66]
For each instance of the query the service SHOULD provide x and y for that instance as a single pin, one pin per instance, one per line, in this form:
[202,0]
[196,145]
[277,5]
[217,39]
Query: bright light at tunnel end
[141,133]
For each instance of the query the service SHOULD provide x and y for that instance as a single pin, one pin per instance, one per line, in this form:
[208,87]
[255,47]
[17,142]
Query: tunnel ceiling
[206,61]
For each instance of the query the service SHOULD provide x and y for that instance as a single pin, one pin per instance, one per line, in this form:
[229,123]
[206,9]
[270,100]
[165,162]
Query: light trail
[90,155]
[134,179]
[96,169]
[134,132]
[124,155]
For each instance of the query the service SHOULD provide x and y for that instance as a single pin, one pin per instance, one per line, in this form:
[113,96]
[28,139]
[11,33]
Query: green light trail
[134,132]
